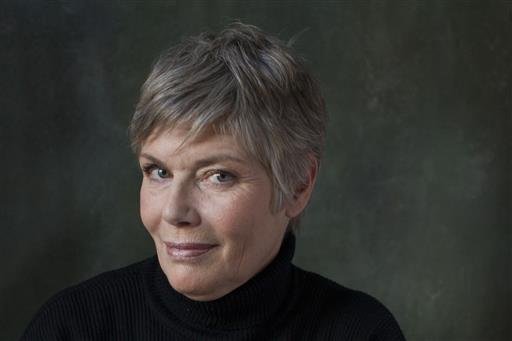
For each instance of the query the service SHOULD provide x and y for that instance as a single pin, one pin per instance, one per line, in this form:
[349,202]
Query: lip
[187,251]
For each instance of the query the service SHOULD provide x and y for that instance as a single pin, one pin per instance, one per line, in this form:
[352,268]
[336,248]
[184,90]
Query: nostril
[182,224]
[180,213]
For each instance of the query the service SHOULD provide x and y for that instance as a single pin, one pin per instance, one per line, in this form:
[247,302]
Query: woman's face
[207,208]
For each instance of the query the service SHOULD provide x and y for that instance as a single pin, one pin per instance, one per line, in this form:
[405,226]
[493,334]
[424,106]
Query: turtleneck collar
[255,302]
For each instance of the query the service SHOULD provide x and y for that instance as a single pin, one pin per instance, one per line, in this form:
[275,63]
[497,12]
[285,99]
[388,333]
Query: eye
[155,172]
[221,177]
[162,173]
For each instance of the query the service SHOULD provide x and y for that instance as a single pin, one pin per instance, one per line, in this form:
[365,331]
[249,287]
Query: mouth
[187,251]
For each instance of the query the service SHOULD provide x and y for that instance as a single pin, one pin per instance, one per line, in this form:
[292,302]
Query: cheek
[149,210]
[235,216]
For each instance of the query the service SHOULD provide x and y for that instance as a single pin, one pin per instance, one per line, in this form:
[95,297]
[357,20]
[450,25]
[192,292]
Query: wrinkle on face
[237,217]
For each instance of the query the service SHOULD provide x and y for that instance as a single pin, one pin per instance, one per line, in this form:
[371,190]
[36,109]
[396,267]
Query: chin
[198,279]
[187,279]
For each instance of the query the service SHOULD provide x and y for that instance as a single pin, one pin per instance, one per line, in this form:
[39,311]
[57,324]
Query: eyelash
[219,172]
[148,169]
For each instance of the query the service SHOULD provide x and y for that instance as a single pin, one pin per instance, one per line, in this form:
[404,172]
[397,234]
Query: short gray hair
[245,83]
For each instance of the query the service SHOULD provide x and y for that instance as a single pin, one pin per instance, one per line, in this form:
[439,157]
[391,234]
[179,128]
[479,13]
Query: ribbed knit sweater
[282,302]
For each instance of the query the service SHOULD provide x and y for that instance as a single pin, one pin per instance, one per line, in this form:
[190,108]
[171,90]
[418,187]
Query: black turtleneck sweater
[282,302]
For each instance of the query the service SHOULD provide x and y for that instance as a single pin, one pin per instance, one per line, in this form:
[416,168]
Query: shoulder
[114,281]
[337,296]
[106,294]
[340,308]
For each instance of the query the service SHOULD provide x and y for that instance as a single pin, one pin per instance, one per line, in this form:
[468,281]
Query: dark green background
[413,200]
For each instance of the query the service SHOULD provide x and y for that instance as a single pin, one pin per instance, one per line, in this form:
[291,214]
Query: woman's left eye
[221,177]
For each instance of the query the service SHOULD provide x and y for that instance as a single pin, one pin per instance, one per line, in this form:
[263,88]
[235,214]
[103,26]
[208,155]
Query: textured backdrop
[413,201]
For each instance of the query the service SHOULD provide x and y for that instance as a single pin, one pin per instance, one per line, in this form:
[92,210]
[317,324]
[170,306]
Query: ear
[303,192]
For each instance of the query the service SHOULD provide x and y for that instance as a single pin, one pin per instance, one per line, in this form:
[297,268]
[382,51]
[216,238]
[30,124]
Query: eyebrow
[199,163]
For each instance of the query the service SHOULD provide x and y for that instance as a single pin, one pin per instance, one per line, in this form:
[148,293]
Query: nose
[180,207]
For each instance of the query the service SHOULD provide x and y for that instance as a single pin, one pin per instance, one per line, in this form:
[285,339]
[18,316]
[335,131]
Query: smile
[187,251]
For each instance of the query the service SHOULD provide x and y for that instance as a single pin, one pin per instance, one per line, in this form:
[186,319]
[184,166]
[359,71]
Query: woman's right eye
[155,172]
[162,173]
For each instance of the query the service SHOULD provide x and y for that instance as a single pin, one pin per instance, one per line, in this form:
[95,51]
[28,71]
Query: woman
[228,131]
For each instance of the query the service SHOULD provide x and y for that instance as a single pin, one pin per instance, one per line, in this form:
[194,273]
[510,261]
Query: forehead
[174,144]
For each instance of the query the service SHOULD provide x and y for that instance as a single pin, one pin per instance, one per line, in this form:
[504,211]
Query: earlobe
[303,192]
